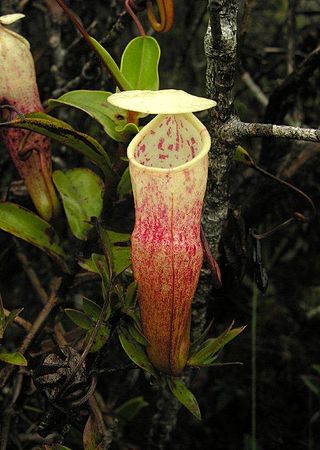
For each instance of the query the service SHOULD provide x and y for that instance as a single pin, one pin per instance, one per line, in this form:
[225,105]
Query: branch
[283,96]
[234,130]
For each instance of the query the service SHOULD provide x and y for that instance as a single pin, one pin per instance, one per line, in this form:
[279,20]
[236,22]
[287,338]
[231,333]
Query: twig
[283,96]
[19,320]
[234,130]
[291,44]
[32,276]
[38,323]
[254,88]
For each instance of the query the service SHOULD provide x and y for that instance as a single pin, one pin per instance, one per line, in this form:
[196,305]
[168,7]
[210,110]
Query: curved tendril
[129,5]
[296,216]
[166,15]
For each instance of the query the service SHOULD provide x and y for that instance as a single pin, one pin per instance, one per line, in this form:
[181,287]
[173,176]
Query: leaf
[31,228]
[94,103]
[119,256]
[194,345]
[130,297]
[101,338]
[120,79]
[135,352]
[121,259]
[186,397]
[139,63]
[79,318]
[65,134]
[137,334]
[209,349]
[13,358]
[241,155]
[124,186]
[129,409]
[117,238]
[91,309]
[82,192]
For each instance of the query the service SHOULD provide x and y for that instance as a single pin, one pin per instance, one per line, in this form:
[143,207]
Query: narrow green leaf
[130,298]
[117,238]
[194,345]
[107,247]
[101,338]
[241,155]
[16,358]
[89,263]
[82,193]
[65,134]
[137,334]
[91,309]
[186,397]
[135,352]
[139,63]
[209,349]
[31,228]
[121,80]
[124,186]
[79,318]
[129,409]
[119,256]
[96,105]
[121,259]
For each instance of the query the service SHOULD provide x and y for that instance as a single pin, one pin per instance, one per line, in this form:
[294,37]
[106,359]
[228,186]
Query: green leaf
[129,409]
[79,318]
[119,256]
[121,259]
[137,334]
[101,338]
[195,344]
[94,103]
[186,397]
[241,155]
[91,309]
[139,63]
[120,79]
[130,297]
[65,134]
[13,358]
[135,352]
[124,186]
[31,228]
[209,349]
[82,192]
[117,238]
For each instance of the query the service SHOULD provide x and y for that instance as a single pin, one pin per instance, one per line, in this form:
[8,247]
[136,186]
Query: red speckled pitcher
[168,163]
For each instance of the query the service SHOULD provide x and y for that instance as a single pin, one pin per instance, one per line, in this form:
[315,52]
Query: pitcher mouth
[164,146]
